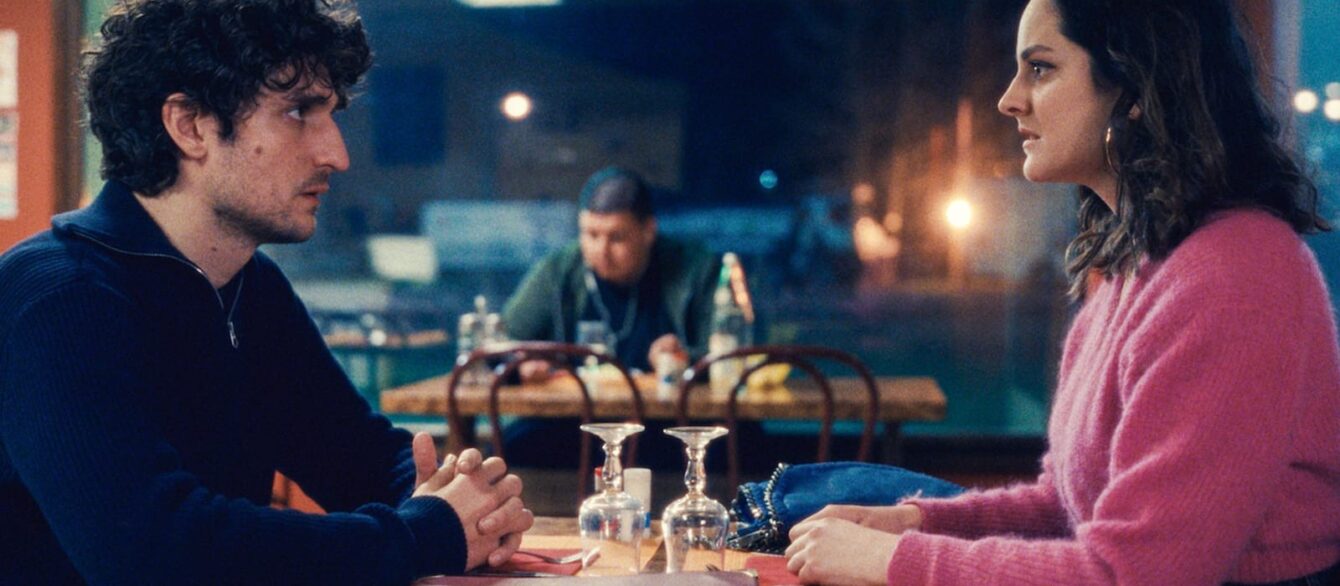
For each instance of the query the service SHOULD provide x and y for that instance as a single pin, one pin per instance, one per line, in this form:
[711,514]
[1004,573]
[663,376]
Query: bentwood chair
[802,357]
[509,356]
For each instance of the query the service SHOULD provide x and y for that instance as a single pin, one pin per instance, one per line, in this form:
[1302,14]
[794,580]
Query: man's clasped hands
[485,497]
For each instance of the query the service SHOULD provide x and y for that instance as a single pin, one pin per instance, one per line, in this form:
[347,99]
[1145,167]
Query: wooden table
[560,534]
[900,399]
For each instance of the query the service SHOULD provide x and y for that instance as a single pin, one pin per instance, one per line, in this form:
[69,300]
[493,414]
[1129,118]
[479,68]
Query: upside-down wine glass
[611,521]
[695,526]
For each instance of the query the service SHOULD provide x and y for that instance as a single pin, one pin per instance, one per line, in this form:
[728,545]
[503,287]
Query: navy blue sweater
[143,415]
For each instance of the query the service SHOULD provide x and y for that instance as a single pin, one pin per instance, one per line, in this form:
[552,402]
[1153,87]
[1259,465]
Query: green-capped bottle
[732,323]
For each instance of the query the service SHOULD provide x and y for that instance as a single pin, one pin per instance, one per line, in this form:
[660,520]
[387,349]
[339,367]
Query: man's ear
[186,125]
[649,230]
[1134,113]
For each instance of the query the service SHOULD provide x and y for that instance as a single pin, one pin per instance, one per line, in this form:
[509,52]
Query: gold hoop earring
[1107,149]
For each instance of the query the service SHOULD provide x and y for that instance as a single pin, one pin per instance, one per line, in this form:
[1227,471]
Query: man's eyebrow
[1031,50]
[305,99]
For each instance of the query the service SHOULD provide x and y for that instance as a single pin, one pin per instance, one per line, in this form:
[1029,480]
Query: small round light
[863,194]
[1332,109]
[516,106]
[893,222]
[1305,101]
[768,179]
[959,214]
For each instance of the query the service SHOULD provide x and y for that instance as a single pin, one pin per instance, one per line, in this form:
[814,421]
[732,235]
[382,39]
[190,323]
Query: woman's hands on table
[891,519]
[485,497]
[844,544]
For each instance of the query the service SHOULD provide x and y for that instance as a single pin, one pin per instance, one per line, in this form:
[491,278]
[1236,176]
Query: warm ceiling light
[959,214]
[516,106]
[1305,101]
[1332,109]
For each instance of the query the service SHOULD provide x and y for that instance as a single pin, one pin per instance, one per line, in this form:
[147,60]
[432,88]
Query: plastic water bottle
[473,332]
[495,331]
[732,324]
[669,366]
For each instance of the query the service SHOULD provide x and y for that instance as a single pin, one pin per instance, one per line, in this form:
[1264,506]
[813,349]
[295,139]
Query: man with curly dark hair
[156,370]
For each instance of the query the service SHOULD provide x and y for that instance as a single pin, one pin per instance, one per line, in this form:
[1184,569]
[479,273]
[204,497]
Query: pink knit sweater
[1195,437]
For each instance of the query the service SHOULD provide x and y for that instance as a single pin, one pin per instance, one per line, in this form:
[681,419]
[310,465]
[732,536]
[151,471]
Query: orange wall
[35,22]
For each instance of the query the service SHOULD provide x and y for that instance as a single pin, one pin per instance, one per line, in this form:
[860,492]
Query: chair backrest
[561,356]
[799,356]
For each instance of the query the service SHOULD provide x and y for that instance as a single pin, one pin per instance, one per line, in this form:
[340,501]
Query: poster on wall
[9,124]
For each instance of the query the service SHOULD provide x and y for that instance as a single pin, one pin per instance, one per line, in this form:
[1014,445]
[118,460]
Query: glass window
[849,151]
[1318,126]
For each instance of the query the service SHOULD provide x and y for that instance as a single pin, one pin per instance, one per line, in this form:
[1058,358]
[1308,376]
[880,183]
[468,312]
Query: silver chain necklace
[630,314]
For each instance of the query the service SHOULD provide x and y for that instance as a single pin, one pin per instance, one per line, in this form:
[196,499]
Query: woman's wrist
[914,517]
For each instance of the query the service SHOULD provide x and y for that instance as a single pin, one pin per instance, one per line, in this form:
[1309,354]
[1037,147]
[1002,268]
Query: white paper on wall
[9,124]
[9,68]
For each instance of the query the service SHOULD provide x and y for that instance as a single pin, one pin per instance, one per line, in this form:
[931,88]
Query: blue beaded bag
[765,511]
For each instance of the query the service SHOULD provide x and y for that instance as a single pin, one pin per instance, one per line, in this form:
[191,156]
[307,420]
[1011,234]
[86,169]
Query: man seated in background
[651,293]
[156,369]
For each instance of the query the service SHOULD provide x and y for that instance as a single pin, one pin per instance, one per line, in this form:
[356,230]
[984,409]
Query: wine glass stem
[612,473]
[695,475]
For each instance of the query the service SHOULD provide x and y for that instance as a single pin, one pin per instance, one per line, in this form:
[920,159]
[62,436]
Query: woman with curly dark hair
[1195,436]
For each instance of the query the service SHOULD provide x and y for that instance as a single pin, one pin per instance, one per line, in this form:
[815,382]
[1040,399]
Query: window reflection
[849,151]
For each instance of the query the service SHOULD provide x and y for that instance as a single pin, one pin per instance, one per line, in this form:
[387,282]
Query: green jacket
[550,298]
